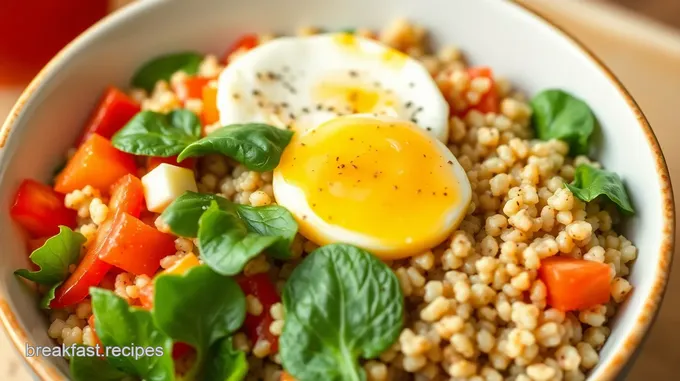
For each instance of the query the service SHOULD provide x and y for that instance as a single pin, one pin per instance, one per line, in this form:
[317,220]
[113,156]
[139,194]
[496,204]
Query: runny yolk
[386,180]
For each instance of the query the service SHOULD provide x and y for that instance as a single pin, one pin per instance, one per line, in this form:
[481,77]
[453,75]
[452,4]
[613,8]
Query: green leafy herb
[257,146]
[341,304]
[53,259]
[150,133]
[163,67]
[225,243]
[590,182]
[120,325]
[559,115]
[199,308]
[88,368]
[226,363]
[183,214]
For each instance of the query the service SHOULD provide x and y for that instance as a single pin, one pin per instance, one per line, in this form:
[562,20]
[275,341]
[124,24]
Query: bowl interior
[515,43]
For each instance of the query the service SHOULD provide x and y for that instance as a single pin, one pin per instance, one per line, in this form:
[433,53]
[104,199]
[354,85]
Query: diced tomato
[285,376]
[96,163]
[244,43]
[190,87]
[89,273]
[154,161]
[489,101]
[127,195]
[257,327]
[135,246]
[40,210]
[575,284]
[34,244]
[180,349]
[115,109]
[210,113]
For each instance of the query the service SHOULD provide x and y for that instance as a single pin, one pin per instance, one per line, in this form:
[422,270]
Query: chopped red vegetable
[40,210]
[575,284]
[90,322]
[257,327]
[127,195]
[180,349]
[210,113]
[114,110]
[135,246]
[244,43]
[489,101]
[154,161]
[190,88]
[34,244]
[96,163]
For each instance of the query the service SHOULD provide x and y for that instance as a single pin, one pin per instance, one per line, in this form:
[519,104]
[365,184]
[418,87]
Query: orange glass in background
[33,31]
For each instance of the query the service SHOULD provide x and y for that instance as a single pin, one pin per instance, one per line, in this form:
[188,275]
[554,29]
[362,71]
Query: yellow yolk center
[387,180]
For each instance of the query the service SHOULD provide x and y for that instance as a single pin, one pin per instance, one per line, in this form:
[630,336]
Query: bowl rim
[633,339]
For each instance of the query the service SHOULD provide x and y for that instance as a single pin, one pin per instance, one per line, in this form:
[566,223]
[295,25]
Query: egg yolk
[386,180]
[356,98]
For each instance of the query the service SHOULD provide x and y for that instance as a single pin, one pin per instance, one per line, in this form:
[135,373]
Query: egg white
[293,198]
[274,82]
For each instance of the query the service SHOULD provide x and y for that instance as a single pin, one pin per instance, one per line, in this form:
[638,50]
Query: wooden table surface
[646,57]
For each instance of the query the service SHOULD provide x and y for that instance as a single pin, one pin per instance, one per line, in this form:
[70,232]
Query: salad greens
[257,146]
[226,363]
[202,308]
[590,182]
[150,133]
[88,368]
[163,67]
[53,259]
[341,304]
[559,115]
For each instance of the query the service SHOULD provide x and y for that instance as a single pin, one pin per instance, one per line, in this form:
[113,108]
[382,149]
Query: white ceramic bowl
[518,44]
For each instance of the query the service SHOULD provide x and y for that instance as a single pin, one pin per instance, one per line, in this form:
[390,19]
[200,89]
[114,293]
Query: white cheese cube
[164,184]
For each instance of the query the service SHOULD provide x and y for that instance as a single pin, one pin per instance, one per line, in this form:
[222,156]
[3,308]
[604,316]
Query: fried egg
[301,82]
[380,183]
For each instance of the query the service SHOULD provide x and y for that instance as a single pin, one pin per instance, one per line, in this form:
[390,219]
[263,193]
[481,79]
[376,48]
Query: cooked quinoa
[474,306]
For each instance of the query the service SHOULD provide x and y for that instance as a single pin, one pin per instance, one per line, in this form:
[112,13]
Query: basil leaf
[226,363]
[150,133]
[341,304]
[271,220]
[590,182]
[257,146]
[88,368]
[182,216]
[559,115]
[47,298]
[225,243]
[54,257]
[198,308]
[163,67]
[120,325]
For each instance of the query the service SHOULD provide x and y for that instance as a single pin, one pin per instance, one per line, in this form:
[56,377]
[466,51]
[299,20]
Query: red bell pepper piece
[113,112]
[127,195]
[154,161]
[135,246]
[190,88]
[575,284]
[96,163]
[257,327]
[40,210]
[244,43]
[34,244]
[489,101]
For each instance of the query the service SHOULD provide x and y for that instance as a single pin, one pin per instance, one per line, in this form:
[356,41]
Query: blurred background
[638,39]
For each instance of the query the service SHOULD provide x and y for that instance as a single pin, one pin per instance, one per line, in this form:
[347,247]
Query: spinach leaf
[150,133]
[48,296]
[271,220]
[226,363]
[257,146]
[590,182]
[54,257]
[182,216]
[163,67]
[120,325]
[88,368]
[198,308]
[559,115]
[225,243]
[341,304]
